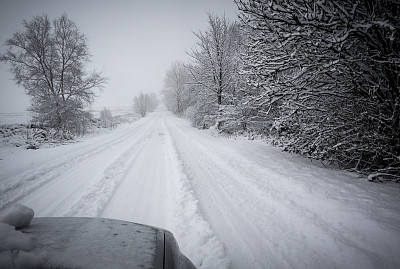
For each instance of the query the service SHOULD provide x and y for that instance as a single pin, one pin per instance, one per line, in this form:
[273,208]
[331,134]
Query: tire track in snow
[75,188]
[194,234]
[232,205]
[31,180]
[140,195]
[155,191]
[268,219]
[286,208]
[221,202]
[95,199]
[232,202]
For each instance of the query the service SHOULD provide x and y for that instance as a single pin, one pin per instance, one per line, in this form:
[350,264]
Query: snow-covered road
[229,203]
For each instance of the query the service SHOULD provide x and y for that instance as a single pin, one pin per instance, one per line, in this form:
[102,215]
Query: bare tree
[152,102]
[176,92]
[214,66]
[106,118]
[144,103]
[140,104]
[48,60]
[215,58]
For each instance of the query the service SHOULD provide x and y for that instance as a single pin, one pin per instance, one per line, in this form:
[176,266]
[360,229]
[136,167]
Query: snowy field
[25,117]
[229,203]
[116,111]
[15,130]
[15,118]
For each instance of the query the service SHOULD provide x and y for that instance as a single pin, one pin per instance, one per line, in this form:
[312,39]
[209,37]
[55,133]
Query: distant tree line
[144,103]
[320,78]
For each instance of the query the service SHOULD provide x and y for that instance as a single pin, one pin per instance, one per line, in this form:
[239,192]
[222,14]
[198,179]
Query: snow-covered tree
[326,76]
[144,103]
[214,66]
[106,118]
[140,104]
[152,102]
[48,59]
[176,88]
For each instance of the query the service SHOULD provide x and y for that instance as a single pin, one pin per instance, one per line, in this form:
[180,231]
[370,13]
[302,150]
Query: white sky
[133,42]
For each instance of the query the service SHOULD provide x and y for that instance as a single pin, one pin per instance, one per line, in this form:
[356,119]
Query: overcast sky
[133,42]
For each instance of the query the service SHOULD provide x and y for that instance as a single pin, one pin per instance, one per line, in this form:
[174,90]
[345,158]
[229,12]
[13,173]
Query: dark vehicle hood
[103,243]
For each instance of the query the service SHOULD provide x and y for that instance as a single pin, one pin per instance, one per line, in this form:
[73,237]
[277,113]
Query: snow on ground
[25,117]
[18,130]
[286,212]
[229,203]
[115,110]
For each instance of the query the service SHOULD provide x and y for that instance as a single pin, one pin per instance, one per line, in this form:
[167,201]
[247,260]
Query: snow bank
[13,240]
[17,215]
[194,234]
[15,245]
